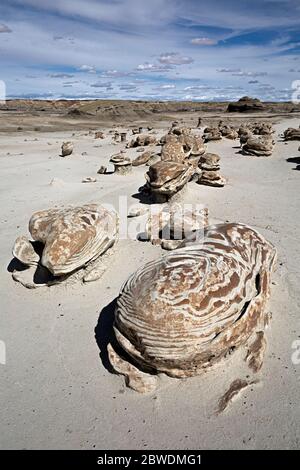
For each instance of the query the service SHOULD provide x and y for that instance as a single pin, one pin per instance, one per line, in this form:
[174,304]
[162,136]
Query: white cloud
[114,74]
[87,68]
[60,75]
[174,58]
[5,29]
[228,70]
[101,85]
[204,41]
[149,67]
[165,87]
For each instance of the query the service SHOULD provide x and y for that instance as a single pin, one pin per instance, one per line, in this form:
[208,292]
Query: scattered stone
[89,179]
[99,135]
[291,134]
[142,159]
[212,178]
[142,141]
[123,167]
[102,170]
[67,149]
[234,389]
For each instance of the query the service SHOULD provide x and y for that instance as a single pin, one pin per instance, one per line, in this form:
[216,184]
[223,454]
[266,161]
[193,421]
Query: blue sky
[154,49]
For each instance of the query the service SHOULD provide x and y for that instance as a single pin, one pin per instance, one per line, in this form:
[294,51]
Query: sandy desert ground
[56,392]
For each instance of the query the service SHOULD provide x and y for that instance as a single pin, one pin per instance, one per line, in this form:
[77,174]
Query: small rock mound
[246,105]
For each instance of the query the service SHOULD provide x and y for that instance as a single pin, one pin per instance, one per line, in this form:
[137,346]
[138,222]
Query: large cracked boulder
[186,311]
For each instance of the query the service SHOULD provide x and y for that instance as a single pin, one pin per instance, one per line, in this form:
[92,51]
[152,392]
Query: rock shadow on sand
[295,160]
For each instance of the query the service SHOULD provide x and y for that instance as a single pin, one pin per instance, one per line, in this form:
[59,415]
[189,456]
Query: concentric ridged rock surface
[73,236]
[183,312]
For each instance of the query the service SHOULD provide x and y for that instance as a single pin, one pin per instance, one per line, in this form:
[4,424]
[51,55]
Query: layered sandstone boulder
[210,165]
[188,310]
[166,178]
[142,141]
[70,238]
[259,146]
[291,134]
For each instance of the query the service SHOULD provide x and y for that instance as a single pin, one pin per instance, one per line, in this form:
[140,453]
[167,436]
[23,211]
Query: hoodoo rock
[210,165]
[166,178]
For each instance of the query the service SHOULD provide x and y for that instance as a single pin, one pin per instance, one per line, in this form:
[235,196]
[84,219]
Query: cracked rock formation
[72,237]
[259,146]
[291,134]
[142,141]
[66,149]
[166,178]
[210,165]
[187,310]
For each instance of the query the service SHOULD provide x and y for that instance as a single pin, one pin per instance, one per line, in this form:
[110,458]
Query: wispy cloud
[4,28]
[106,45]
[174,58]
[204,42]
[87,68]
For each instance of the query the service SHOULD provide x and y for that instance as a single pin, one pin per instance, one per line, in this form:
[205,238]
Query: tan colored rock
[212,178]
[229,132]
[259,146]
[210,162]
[213,135]
[73,236]
[123,167]
[153,159]
[118,158]
[168,138]
[89,179]
[186,311]
[99,135]
[168,225]
[173,152]
[167,178]
[193,145]
[102,170]
[142,159]
[142,141]
[23,250]
[291,134]
[66,149]
[180,130]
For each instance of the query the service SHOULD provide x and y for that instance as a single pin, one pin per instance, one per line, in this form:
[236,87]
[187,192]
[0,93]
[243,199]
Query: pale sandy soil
[55,391]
